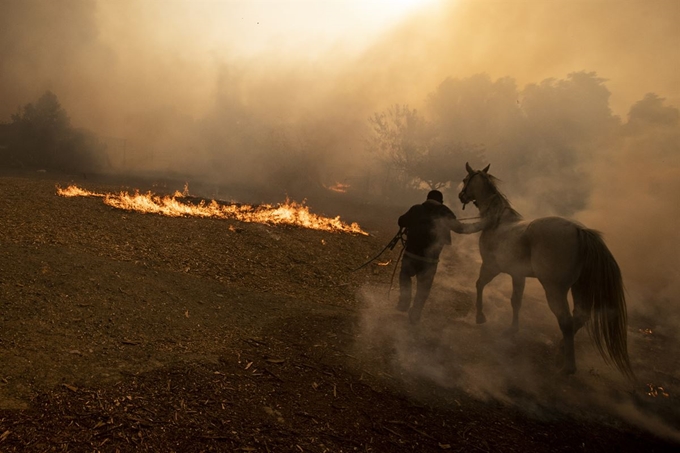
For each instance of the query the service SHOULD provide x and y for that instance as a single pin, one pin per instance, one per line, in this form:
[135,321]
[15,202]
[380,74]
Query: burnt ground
[124,332]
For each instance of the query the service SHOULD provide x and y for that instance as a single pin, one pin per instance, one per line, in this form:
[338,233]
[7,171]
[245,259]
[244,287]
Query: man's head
[436,196]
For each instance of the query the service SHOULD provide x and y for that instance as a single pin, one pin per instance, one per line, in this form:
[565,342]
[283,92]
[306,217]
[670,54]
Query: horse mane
[500,207]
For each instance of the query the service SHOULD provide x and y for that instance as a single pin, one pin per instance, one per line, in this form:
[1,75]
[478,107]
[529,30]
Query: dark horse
[562,255]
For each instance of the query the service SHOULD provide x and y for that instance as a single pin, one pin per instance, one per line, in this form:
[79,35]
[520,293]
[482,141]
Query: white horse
[562,255]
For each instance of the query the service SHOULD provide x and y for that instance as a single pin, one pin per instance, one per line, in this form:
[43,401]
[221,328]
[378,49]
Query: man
[428,229]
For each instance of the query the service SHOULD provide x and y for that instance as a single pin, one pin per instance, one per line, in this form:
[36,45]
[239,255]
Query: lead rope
[398,237]
[396,266]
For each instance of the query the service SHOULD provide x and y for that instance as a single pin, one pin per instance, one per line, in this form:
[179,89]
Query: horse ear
[468,168]
[486,169]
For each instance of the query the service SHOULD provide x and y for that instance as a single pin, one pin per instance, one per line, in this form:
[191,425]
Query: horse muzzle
[464,198]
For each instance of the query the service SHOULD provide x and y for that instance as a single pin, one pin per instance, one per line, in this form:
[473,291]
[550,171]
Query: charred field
[124,331]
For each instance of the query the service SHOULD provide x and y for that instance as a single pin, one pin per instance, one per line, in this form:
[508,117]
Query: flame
[288,213]
[75,191]
[656,390]
[339,187]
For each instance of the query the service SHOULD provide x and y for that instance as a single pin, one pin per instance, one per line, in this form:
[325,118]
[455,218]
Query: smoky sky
[117,66]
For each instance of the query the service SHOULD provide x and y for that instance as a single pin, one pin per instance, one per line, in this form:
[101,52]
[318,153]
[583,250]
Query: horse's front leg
[516,301]
[486,274]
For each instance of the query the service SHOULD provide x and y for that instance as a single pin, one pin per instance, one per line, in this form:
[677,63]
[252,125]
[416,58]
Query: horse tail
[602,288]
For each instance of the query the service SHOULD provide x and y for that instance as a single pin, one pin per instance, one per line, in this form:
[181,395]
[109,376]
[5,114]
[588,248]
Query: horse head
[475,184]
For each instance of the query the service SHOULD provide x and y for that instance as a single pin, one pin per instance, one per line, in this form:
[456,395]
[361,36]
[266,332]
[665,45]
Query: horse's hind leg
[516,301]
[559,305]
[486,274]
[582,307]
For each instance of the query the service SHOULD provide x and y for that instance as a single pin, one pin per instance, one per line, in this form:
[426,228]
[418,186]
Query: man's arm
[407,219]
[467,228]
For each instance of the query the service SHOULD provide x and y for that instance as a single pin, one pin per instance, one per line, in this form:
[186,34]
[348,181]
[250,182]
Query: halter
[465,186]
[497,214]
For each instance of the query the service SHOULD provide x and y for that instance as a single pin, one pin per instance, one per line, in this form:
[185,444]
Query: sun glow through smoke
[248,28]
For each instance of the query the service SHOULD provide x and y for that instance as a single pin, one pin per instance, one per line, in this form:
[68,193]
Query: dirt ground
[124,332]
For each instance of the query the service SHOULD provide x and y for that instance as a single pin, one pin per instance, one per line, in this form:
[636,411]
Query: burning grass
[178,205]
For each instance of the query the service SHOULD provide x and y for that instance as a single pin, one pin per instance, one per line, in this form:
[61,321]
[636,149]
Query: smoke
[450,350]
[634,201]
[187,85]
[151,73]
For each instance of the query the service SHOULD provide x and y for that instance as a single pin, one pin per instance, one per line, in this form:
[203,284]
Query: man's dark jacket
[428,228]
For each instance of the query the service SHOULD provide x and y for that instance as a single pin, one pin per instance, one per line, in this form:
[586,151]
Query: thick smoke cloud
[147,72]
[634,201]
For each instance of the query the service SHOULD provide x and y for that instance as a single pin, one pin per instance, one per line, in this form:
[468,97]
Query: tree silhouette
[540,136]
[406,143]
[43,137]
[652,111]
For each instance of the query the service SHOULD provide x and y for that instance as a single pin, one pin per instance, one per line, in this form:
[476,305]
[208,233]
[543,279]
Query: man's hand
[467,228]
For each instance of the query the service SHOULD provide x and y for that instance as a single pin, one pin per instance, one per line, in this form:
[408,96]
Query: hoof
[481,319]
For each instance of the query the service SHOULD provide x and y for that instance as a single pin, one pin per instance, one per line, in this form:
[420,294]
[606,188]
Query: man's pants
[424,272]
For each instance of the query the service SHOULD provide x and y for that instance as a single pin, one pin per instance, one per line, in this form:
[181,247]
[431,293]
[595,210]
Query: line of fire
[180,205]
